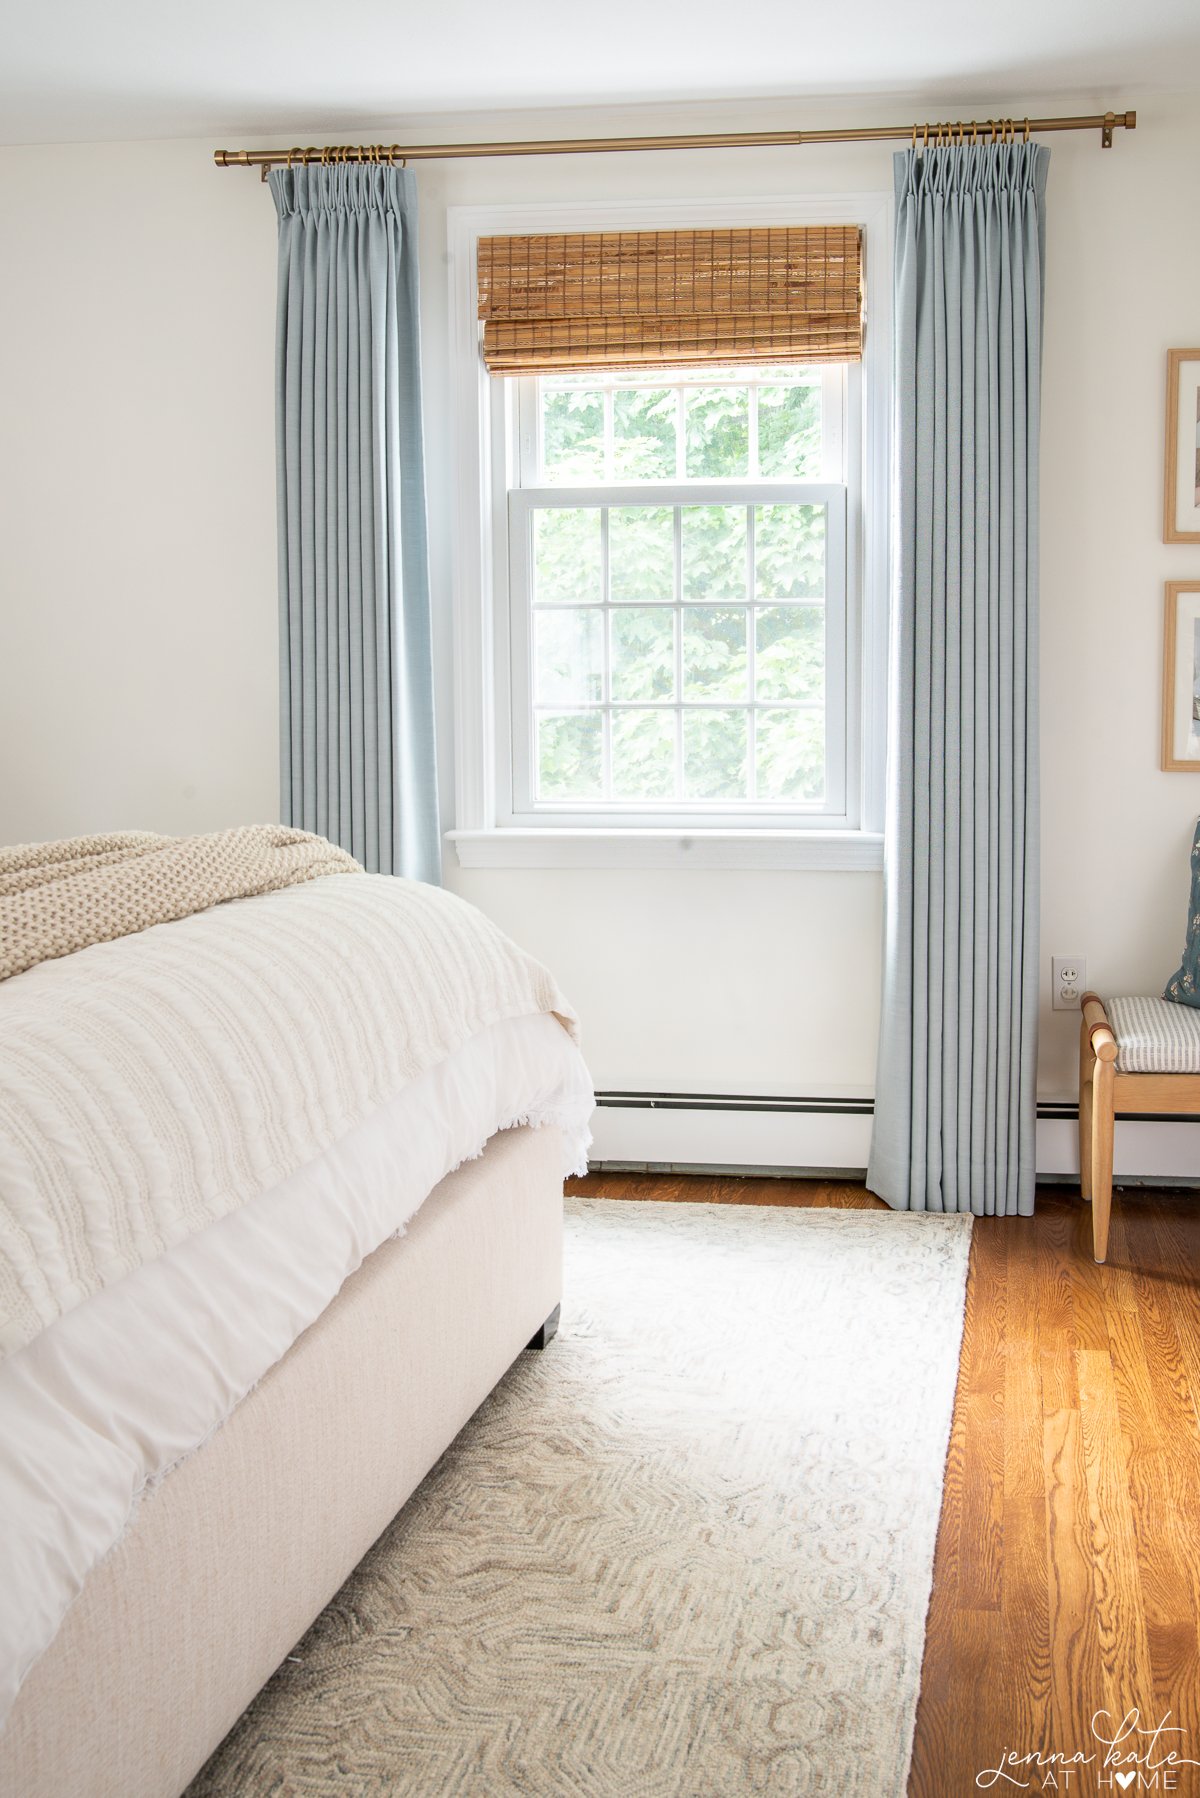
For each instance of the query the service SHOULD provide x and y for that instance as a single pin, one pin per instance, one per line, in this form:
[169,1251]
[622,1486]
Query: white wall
[137,543]
[137,610]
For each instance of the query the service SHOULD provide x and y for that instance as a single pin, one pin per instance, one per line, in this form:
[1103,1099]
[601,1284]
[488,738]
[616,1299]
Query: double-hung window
[677,589]
[683,564]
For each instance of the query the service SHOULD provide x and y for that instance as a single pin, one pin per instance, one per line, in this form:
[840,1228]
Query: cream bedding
[58,897]
[152,1084]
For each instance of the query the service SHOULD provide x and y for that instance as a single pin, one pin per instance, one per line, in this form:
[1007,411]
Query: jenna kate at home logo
[1126,1756]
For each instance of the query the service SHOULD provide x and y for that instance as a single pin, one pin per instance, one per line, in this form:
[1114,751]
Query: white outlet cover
[1068,981]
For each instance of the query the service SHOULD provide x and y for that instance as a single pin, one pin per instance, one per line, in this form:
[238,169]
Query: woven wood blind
[671,298]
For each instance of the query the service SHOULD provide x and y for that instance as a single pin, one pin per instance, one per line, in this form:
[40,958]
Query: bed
[211,1409]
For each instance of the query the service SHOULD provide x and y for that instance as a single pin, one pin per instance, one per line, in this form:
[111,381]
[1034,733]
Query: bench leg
[1087,1064]
[1102,1155]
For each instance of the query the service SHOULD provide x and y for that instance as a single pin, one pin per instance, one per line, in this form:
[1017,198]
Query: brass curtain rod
[960,131]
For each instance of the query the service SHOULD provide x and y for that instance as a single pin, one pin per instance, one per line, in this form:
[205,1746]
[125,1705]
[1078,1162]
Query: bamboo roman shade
[671,298]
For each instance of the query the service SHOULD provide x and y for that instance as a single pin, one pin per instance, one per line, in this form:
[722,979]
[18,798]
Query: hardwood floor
[1067,1575]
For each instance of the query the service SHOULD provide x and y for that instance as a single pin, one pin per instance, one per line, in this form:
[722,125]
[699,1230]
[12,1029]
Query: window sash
[523,505]
[530,471]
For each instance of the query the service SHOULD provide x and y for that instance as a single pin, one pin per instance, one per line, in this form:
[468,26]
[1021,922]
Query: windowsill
[818,850]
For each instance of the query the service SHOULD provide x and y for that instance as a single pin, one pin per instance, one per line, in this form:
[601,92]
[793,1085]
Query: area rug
[685,1552]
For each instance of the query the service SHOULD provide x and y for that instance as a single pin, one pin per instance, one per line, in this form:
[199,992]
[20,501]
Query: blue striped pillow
[1184,986]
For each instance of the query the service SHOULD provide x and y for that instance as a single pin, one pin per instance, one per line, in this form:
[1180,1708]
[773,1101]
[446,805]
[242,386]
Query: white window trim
[480,537]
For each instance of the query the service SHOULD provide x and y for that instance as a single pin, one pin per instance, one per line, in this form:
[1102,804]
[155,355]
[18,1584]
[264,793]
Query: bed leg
[548,1331]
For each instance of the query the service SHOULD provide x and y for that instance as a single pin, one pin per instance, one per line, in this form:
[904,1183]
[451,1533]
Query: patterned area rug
[684,1553]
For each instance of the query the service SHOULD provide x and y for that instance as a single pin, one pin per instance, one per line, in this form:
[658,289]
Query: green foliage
[566,556]
[791,755]
[569,657]
[714,652]
[718,432]
[643,755]
[789,432]
[643,653]
[715,746]
[713,551]
[644,434]
[789,659]
[789,552]
[641,552]
[723,598]
[570,756]
[573,434]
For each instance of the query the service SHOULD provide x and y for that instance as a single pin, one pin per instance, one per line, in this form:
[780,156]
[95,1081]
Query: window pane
[791,755]
[714,652]
[570,756]
[572,433]
[568,657]
[643,434]
[789,432]
[643,653]
[641,552]
[718,432]
[789,552]
[714,755]
[789,652]
[566,556]
[643,755]
[714,552]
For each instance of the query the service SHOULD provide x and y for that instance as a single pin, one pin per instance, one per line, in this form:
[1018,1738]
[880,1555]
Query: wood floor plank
[1075,1670]
[1117,1588]
[1067,1572]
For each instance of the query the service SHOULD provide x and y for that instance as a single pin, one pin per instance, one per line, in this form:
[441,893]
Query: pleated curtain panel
[357,736]
[955,1104]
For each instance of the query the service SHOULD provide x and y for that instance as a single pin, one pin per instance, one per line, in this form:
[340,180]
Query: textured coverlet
[59,897]
[150,1085]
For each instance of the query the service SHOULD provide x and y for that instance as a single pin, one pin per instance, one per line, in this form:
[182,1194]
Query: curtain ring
[1026,137]
[914,141]
[925,140]
[974,131]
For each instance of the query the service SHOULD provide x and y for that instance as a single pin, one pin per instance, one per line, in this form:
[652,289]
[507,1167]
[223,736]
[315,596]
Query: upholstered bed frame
[231,1557]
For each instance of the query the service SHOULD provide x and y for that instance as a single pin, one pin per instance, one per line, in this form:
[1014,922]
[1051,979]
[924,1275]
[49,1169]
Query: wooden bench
[1135,1055]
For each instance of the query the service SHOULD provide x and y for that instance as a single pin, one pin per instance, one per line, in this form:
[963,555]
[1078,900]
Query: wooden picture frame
[1181,467]
[1181,678]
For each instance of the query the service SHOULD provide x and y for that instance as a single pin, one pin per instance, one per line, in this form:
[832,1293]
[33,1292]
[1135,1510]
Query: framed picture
[1181,481]
[1181,679]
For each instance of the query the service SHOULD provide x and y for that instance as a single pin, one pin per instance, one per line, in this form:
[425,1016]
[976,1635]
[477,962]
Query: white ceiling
[77,70]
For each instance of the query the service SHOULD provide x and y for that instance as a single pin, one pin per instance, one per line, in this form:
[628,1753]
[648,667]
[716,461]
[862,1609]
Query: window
[678,597]
[671,559]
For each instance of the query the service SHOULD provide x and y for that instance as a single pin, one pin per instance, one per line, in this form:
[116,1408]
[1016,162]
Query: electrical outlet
[1068,977]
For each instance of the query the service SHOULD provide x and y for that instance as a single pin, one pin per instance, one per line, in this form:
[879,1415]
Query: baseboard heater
[829,1137]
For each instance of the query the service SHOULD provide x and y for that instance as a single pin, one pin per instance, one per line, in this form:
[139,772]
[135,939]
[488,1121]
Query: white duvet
[134,1378]
[151,1085]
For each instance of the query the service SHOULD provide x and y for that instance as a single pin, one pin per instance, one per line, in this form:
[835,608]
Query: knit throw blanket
[154,1082]
[56,898]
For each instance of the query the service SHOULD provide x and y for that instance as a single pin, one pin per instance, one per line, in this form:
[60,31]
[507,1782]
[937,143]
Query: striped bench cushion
[1155,1036]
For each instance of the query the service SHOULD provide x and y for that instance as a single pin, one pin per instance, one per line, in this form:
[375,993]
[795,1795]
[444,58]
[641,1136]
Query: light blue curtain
[955,1090]
[356,678]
